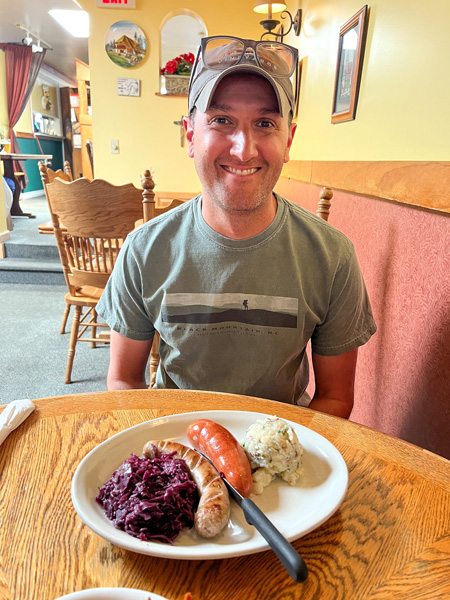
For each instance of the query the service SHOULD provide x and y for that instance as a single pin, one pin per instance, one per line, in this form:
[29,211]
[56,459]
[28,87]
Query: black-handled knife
[287,554]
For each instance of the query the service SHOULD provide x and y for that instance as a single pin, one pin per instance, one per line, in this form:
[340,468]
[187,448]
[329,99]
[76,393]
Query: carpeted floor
[33,354]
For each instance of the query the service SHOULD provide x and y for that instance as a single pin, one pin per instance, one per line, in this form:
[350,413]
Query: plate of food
[111,594]
[298,483]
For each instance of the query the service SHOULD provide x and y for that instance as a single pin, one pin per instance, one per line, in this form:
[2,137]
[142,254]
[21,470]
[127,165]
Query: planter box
[177,84]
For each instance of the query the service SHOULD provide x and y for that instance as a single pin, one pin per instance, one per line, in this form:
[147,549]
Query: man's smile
[237,171]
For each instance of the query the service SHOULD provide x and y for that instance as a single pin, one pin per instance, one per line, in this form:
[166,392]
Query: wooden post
[323,208]
[43,172]
[149,207]
[67,169]
[84,118]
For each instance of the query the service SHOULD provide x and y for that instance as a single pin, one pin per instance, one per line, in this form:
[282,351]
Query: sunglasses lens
[221,53]
[276,59]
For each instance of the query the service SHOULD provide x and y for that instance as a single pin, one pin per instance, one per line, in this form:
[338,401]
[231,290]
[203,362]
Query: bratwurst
[225,452]
[213,509]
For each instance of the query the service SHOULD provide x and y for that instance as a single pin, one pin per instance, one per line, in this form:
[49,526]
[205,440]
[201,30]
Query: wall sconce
[270,23]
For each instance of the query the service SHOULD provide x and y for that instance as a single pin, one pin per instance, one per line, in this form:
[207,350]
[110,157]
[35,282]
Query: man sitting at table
[238,280]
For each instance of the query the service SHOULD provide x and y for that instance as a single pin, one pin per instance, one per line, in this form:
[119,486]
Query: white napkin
[13,415]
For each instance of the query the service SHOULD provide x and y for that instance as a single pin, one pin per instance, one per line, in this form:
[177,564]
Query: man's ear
[189,130]
[292,129]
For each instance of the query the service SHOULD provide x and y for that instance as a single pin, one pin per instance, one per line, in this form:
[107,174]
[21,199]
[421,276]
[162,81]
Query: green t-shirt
[236,315]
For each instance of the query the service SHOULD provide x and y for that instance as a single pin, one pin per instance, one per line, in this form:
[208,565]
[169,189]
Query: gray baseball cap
[207,79]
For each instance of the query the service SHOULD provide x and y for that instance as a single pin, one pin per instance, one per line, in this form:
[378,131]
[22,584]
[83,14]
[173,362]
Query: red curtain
[17,62]
[22,68]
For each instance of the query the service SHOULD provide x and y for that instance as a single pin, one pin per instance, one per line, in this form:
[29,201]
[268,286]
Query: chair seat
[47,228]
[85,296]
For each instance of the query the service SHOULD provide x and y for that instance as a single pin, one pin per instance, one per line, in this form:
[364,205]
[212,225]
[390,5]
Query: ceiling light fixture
[32,37]
[269,24]
[28,40]
[76,22]
[37,47]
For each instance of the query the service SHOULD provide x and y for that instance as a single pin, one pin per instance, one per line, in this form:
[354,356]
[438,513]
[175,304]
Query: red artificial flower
[181,65]
[188,57]
[171,67]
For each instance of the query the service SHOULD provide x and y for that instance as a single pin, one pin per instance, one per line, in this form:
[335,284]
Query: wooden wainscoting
[420,183]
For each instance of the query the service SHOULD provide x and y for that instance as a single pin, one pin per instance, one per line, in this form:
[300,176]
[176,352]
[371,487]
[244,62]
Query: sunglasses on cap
[219,53]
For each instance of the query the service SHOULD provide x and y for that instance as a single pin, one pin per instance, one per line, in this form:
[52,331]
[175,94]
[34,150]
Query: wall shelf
[171,95]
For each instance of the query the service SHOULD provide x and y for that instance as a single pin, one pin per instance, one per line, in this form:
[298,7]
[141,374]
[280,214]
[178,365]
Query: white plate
[112,594]
[294,510]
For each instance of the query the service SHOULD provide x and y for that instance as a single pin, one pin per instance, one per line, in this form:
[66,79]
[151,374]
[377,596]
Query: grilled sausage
[225,452]
[213,509]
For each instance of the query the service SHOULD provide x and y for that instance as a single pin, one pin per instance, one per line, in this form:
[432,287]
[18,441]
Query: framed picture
[125,44]
[352,38]
[301,62]
[128,87]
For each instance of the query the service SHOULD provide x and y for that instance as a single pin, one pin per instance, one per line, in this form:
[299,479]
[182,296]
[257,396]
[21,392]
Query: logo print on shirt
[251,309]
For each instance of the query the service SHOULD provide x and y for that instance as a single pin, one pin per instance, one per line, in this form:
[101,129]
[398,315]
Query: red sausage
[225,452]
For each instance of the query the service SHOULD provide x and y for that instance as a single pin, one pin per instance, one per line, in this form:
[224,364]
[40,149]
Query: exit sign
[116,3]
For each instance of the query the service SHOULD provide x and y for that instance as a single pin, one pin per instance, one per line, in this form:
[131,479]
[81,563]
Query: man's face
[240,144]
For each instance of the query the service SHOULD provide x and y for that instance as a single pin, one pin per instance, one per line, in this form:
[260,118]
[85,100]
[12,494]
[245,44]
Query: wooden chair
[47,176]
[98,217]
[159,203]
[66,175]
[163,199]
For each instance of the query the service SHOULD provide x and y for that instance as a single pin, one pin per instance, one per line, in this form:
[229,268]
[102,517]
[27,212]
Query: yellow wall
[403,104]
[3,123]
[148,139]
[3,226]
[25,123]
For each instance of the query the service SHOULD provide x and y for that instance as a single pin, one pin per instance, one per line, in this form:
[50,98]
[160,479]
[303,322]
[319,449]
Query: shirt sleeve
[349,321]
[122,305]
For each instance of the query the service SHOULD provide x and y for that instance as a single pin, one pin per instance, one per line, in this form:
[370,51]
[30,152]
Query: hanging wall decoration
[352,36]
[128,87]
[125,44]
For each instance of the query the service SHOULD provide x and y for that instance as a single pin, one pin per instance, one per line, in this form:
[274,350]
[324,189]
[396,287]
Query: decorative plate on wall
[125,44]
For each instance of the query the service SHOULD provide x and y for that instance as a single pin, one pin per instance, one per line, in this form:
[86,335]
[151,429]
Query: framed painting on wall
[125,44]
[352,36]
[301,62]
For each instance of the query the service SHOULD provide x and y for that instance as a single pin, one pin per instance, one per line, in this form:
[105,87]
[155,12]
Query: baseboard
[35,194]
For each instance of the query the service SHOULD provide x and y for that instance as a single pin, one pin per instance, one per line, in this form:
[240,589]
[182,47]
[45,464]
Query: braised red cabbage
[150,498]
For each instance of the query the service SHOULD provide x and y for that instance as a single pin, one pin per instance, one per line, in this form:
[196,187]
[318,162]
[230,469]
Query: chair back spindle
[323,208]
[149,205]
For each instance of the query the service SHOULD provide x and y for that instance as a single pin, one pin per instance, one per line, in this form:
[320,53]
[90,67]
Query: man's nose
[244,145]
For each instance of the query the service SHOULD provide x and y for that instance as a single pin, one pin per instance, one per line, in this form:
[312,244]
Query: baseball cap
[221,56]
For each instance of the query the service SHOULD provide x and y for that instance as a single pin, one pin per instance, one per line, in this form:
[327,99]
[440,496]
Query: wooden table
[9,159]
[389,540]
